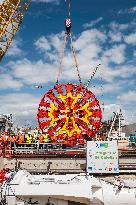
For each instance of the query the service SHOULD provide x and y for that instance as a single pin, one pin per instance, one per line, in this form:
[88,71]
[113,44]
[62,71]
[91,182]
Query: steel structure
[12,13]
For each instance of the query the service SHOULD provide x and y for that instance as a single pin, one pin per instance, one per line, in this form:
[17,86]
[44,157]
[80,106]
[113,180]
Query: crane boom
[12,13]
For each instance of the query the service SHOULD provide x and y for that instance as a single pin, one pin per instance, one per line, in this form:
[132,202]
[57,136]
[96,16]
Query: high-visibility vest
[27,138]
[41,138]
[9,138]
[4,139]
[65,142]
[16,138]
[35,136]
[30,139]
[13,139]
[21,139]
[46,139]
[81,141]
[0,140]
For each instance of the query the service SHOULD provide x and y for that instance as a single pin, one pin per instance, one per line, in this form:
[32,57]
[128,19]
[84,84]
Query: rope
[61,58]
[74,55]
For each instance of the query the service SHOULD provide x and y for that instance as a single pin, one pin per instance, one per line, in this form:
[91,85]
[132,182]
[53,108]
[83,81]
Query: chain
[93,74]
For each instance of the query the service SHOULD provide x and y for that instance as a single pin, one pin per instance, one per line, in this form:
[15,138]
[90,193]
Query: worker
[8,138]
[0,142]
[21,139]
[4,140]
[41,140]
[46,139]
[13,140]
[30,139]
[16,138]
[35,136]
[26,138]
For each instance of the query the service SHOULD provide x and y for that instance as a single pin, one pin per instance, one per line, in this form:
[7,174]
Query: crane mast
[12,13]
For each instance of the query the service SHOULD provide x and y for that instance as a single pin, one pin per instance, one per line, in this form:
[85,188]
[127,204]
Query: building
[5,122]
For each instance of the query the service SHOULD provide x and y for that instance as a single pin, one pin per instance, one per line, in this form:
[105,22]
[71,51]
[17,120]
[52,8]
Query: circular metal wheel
[68,113]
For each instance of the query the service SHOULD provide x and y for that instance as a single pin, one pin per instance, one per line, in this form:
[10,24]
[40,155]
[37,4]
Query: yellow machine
[12,13]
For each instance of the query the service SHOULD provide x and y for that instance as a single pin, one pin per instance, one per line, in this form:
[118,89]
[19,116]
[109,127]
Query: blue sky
[104,32]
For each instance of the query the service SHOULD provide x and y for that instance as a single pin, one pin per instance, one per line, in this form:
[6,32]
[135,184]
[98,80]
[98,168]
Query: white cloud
[132,10]
[126,71]
[43,44]
[116,31]
[88,37]
[106,88]
[134,53]
[109,109]
[33,72]
[130,39]
[57,41]
[92,23]
[114,26]
[116,54]
[89,46]
[86,45]
[128,97]
[128,101]
[115,36]
[7,82]
[51,41]
[14,49]
[129,116]
[127,11]
[22,105]
[47,1]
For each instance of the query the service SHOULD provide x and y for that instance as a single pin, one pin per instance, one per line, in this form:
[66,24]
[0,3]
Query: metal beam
[12,13]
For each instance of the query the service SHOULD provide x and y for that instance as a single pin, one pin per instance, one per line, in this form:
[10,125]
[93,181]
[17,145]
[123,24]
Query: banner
[102,157]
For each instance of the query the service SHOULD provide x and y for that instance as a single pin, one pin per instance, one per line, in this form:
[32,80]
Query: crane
[12,13]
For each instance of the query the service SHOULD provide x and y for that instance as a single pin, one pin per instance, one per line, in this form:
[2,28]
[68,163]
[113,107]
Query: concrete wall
[53,200]
[57,164]
[69,165]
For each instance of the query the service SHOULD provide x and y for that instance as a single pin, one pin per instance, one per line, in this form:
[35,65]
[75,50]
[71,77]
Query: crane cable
[72,46]
[68,33]
[61,58]
[68,7]
[75,59]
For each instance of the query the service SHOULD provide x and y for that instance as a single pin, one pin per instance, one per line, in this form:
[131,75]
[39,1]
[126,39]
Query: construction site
[73,156]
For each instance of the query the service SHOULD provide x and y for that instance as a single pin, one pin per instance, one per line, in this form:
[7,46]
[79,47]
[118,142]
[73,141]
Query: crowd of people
[19,137]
